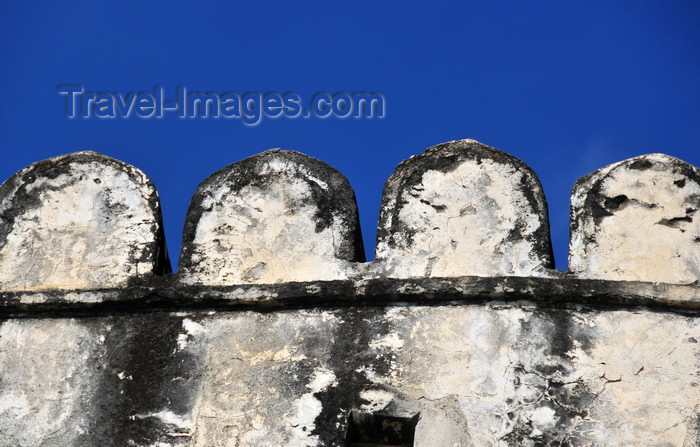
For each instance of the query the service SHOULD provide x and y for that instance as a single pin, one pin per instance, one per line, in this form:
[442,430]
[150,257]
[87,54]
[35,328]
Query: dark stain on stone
[613,203]
[155,377]
[680,183]
[593,205]
[693,201]
[358,328]
[675,222]
[553,331]
[640,165]
[438,208]
[599,205]
[367,429]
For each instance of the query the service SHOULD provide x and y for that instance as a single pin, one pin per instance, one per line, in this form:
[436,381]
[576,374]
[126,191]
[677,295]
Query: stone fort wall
[276,332]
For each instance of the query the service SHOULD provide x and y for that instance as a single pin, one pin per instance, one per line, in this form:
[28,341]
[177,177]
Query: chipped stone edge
[169,293]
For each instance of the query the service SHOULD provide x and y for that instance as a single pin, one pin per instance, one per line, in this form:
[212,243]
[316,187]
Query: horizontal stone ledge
[170,294]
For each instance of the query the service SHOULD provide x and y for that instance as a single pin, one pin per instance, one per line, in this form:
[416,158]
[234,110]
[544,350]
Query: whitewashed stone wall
[275,332]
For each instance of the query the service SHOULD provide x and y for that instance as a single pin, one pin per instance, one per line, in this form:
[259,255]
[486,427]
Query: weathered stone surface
[635,220]
[277,216]
[48,378]
[524,376]
[494,374]
[463,208]
[550,359]
[111,381]
[514,376]
[81,220]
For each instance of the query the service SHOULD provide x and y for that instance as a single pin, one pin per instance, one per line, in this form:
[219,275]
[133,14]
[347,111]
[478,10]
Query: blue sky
[566,88]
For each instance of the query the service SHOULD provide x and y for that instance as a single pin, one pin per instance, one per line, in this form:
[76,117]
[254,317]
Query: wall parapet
[459,209]
[276,332]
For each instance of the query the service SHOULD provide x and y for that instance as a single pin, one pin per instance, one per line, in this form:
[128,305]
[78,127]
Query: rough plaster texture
[635,220]
[463,208]
[492,374]
[277,216]
[81,220]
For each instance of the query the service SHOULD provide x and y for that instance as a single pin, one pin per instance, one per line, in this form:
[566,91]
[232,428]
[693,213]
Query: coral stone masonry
[276,332]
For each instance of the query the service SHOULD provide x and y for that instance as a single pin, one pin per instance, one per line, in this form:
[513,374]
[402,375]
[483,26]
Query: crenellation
[463,208]
[56,212]
[635,220]
[276,332]
[277,216]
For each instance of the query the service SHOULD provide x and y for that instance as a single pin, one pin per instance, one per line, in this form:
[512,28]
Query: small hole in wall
[373,430]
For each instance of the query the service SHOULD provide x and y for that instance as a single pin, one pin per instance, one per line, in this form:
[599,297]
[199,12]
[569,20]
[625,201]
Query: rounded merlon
[635,220]
[463,208]
[274,217]
[76,221]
